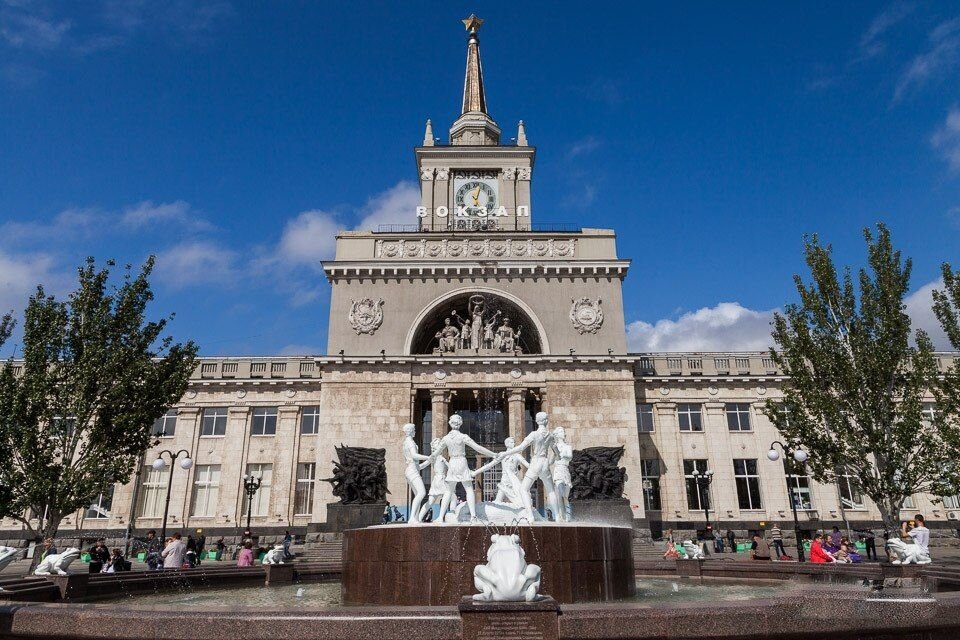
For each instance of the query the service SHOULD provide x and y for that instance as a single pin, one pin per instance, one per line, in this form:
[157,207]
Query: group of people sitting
[103,560]
[834,547]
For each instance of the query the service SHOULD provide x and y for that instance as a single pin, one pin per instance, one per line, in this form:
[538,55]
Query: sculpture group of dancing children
[550,456]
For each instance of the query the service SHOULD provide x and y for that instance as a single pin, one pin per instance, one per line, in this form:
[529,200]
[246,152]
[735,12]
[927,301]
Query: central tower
[474,183]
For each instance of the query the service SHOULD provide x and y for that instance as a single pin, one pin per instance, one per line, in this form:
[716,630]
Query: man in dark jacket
[99,556]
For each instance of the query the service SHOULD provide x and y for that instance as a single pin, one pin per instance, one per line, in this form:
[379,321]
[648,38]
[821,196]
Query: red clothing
[817,554]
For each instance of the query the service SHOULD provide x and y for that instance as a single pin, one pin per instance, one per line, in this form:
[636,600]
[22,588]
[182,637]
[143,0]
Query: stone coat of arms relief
[586,315]
[366,315]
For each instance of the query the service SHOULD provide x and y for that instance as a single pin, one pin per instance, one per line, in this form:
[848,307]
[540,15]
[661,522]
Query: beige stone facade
[398,352]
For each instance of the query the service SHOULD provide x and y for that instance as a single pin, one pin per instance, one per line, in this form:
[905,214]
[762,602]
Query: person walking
[154,547]
[245,557]
[287,543]
[869,539]
[732,539]
[174,552]
[776,535]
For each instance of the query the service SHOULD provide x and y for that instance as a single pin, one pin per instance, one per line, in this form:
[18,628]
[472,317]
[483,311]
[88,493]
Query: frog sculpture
[692,551]
[8,555]
[57,563]
[907,553]
[506,577]
[274,556]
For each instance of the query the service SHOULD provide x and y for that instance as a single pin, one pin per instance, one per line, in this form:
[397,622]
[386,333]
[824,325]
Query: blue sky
[232,140]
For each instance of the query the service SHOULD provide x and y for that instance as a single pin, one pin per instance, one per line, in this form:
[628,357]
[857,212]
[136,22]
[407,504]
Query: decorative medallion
[191,393]
[515,373]
[664,391]
[290,393]
[241,393]
[713,390]
[586,315]
[762,390]
[439,374]
[366,315]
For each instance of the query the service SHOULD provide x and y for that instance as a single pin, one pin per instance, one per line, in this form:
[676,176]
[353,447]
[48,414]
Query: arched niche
[421,338]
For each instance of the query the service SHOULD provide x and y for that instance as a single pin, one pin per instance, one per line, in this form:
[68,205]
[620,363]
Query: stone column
[440,411]
[516,401]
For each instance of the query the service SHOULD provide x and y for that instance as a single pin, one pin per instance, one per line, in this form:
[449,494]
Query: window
[748,483]
[738,416]
[206,490]
[799,483]
[260,506]
[908,503]
[951,502]
[64,426]
[689,417]
[645,418]
[303,494]
[650,475]
[264,421]
[153,491]
[929,413]
[310,420]
[697,497]
[166,425]
[850,495]
[100,507]
[214,422]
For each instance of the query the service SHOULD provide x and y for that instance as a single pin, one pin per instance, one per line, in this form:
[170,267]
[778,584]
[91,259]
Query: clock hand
[476,197]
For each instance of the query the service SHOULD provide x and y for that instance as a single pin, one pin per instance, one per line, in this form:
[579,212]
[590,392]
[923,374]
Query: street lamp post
[251,484]
[703,480]
[801,457]
[159,464]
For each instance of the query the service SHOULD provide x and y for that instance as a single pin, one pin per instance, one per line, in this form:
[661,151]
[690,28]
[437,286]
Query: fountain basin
[433,564]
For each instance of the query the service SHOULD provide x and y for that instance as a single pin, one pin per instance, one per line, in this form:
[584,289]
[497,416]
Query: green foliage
[95,375]
[946,306]
[857,385]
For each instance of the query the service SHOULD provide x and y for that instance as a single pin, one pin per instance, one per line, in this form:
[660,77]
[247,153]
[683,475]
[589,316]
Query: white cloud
[947,139]
[147,213]
[23,30]
[19,276]
[729,326]
[196,263]
[582,147]
[66,225]
[308,239]
[871,42]
[396,205]
[920,309]
[942,55]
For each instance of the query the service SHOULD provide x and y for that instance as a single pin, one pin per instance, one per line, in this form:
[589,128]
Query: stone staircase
[320,551]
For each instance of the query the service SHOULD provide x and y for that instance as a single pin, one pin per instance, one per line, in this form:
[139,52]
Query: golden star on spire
[472,23]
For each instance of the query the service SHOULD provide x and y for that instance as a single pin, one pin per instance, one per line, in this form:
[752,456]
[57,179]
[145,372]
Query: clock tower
[475,183]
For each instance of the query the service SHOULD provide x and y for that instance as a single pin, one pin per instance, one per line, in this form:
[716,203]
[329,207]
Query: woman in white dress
[561,473]
[411,471]
[509,488]
[439,491]
[456,444]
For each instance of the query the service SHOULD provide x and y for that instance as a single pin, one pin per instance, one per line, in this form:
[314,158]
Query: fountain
[439,563]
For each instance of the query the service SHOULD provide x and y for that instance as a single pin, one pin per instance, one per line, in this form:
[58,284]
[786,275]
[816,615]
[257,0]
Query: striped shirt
[776,534]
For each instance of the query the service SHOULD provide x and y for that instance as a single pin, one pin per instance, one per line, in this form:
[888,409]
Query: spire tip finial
[472,23]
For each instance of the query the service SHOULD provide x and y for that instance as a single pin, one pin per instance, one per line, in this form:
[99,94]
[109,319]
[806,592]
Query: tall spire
[473,96]
[474,126]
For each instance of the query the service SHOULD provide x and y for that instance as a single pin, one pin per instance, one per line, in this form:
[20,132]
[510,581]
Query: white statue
[439,489]
[459,472]
[274,556]
[539,442]
[509,488]
[57,563]
[506,577]
[411,471]
[907,553]
[561,474]
[692,551]
[8,555]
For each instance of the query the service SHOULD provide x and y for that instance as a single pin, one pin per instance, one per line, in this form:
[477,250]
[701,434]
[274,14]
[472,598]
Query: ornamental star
[472,23]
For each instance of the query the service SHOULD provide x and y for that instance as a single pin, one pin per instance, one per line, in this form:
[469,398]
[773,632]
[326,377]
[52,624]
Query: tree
[856,385]
[95,374]
[946,306]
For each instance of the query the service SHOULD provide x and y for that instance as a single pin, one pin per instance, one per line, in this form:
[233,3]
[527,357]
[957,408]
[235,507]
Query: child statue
[439,490]
[412,471]
[458,471]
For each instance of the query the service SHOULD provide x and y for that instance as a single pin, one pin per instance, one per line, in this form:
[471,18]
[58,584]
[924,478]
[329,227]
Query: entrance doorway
[486,420]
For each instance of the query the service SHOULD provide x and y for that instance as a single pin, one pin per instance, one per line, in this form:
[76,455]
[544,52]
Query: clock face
[478,197]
